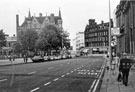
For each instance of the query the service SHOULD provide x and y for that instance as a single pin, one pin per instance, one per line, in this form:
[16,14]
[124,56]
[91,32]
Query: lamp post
[62,41]
[110,56]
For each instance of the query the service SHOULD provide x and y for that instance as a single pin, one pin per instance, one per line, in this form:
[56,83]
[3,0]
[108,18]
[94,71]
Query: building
[78,42]
[125,17]
[97,37]
[38,22]
[8,49]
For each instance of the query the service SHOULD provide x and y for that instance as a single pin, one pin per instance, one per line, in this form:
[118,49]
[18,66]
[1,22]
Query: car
[64,56]
[37,59]
[59,57]
[46,58]
[51,58]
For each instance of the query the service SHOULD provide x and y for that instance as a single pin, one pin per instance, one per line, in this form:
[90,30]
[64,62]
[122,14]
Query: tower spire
[59,13]
[29,15]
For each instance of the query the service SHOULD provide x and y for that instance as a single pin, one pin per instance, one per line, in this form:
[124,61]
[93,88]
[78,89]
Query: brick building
[96,37]
[125,20]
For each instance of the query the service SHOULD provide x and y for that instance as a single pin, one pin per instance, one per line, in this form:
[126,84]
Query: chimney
[17,25]
[17,20]
[102,22]
[52,15]
[40,14]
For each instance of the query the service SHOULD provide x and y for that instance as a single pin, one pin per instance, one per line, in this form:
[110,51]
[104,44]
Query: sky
[75,13]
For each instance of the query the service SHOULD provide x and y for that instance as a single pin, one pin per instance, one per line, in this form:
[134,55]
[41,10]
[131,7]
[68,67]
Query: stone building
[125,20]
[78,42]
[38,22]
[97,37]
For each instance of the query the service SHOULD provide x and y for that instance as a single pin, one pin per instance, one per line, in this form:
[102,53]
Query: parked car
[64,56]
[59,57]
[51,58]
[46,58]
[37,59]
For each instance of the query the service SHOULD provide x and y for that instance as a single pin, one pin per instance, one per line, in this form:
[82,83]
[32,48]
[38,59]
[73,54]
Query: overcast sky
[75,13]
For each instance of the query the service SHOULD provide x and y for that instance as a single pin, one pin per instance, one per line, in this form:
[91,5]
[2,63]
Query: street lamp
[110,56]
[62,41]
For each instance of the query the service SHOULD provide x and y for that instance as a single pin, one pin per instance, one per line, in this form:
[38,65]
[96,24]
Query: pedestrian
[24,58]
[124,67]
[117,61]
[107,62]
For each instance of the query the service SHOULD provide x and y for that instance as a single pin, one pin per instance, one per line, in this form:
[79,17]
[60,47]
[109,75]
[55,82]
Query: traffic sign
[115,31]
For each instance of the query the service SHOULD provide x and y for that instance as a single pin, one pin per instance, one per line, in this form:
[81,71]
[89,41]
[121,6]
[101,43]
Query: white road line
[63,76]
[47,83]
[71,71]
[50,67]
[67,73]
[3,80]
[34,89]
[56,79]
[92,86]
[32,72]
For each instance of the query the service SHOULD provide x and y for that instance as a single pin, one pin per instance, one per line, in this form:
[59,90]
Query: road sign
[115,31]
[113,43]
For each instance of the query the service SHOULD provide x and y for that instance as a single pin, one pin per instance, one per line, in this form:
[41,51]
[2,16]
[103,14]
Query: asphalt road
[70,75]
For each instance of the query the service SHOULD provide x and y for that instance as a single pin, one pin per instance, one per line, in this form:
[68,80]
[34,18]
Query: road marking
[50,67]
[34,89]
[3,80]
[56,79]
[63,76]
[92,86]
[32,72]
[47,83]
[67,73]
[72,71]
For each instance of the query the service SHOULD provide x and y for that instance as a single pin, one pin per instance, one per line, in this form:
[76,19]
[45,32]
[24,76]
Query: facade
[8,49]
[125,20]
[78,42]
[97,37]
[36,23]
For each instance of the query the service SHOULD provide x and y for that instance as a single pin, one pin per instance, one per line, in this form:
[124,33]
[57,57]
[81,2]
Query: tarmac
[110,83]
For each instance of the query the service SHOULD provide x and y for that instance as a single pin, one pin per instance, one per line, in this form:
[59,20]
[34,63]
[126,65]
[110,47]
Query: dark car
[37,59]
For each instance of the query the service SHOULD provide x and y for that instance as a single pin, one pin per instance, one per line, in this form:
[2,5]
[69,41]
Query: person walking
[124,67]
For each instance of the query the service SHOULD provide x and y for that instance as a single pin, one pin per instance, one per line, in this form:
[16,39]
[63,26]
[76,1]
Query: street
[69,75]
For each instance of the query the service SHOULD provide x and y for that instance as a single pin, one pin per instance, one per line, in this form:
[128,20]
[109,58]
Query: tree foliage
[49,38]
[17,47]
[28,39]
[2,39]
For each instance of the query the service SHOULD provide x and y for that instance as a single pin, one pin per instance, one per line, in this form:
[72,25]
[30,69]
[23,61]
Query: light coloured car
[46,58]
[51,58]
[37,59]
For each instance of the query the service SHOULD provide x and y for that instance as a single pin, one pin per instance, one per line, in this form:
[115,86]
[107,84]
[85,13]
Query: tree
[17,47]
[2,39]
[49,38]
[28,39]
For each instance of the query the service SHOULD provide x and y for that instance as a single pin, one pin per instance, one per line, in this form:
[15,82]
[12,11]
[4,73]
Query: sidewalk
[112,85]
[17,61]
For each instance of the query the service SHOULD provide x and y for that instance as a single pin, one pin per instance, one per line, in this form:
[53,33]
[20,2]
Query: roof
[40,19]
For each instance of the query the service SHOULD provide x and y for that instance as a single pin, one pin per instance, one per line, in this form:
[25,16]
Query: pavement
[6,62]
[110,83]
